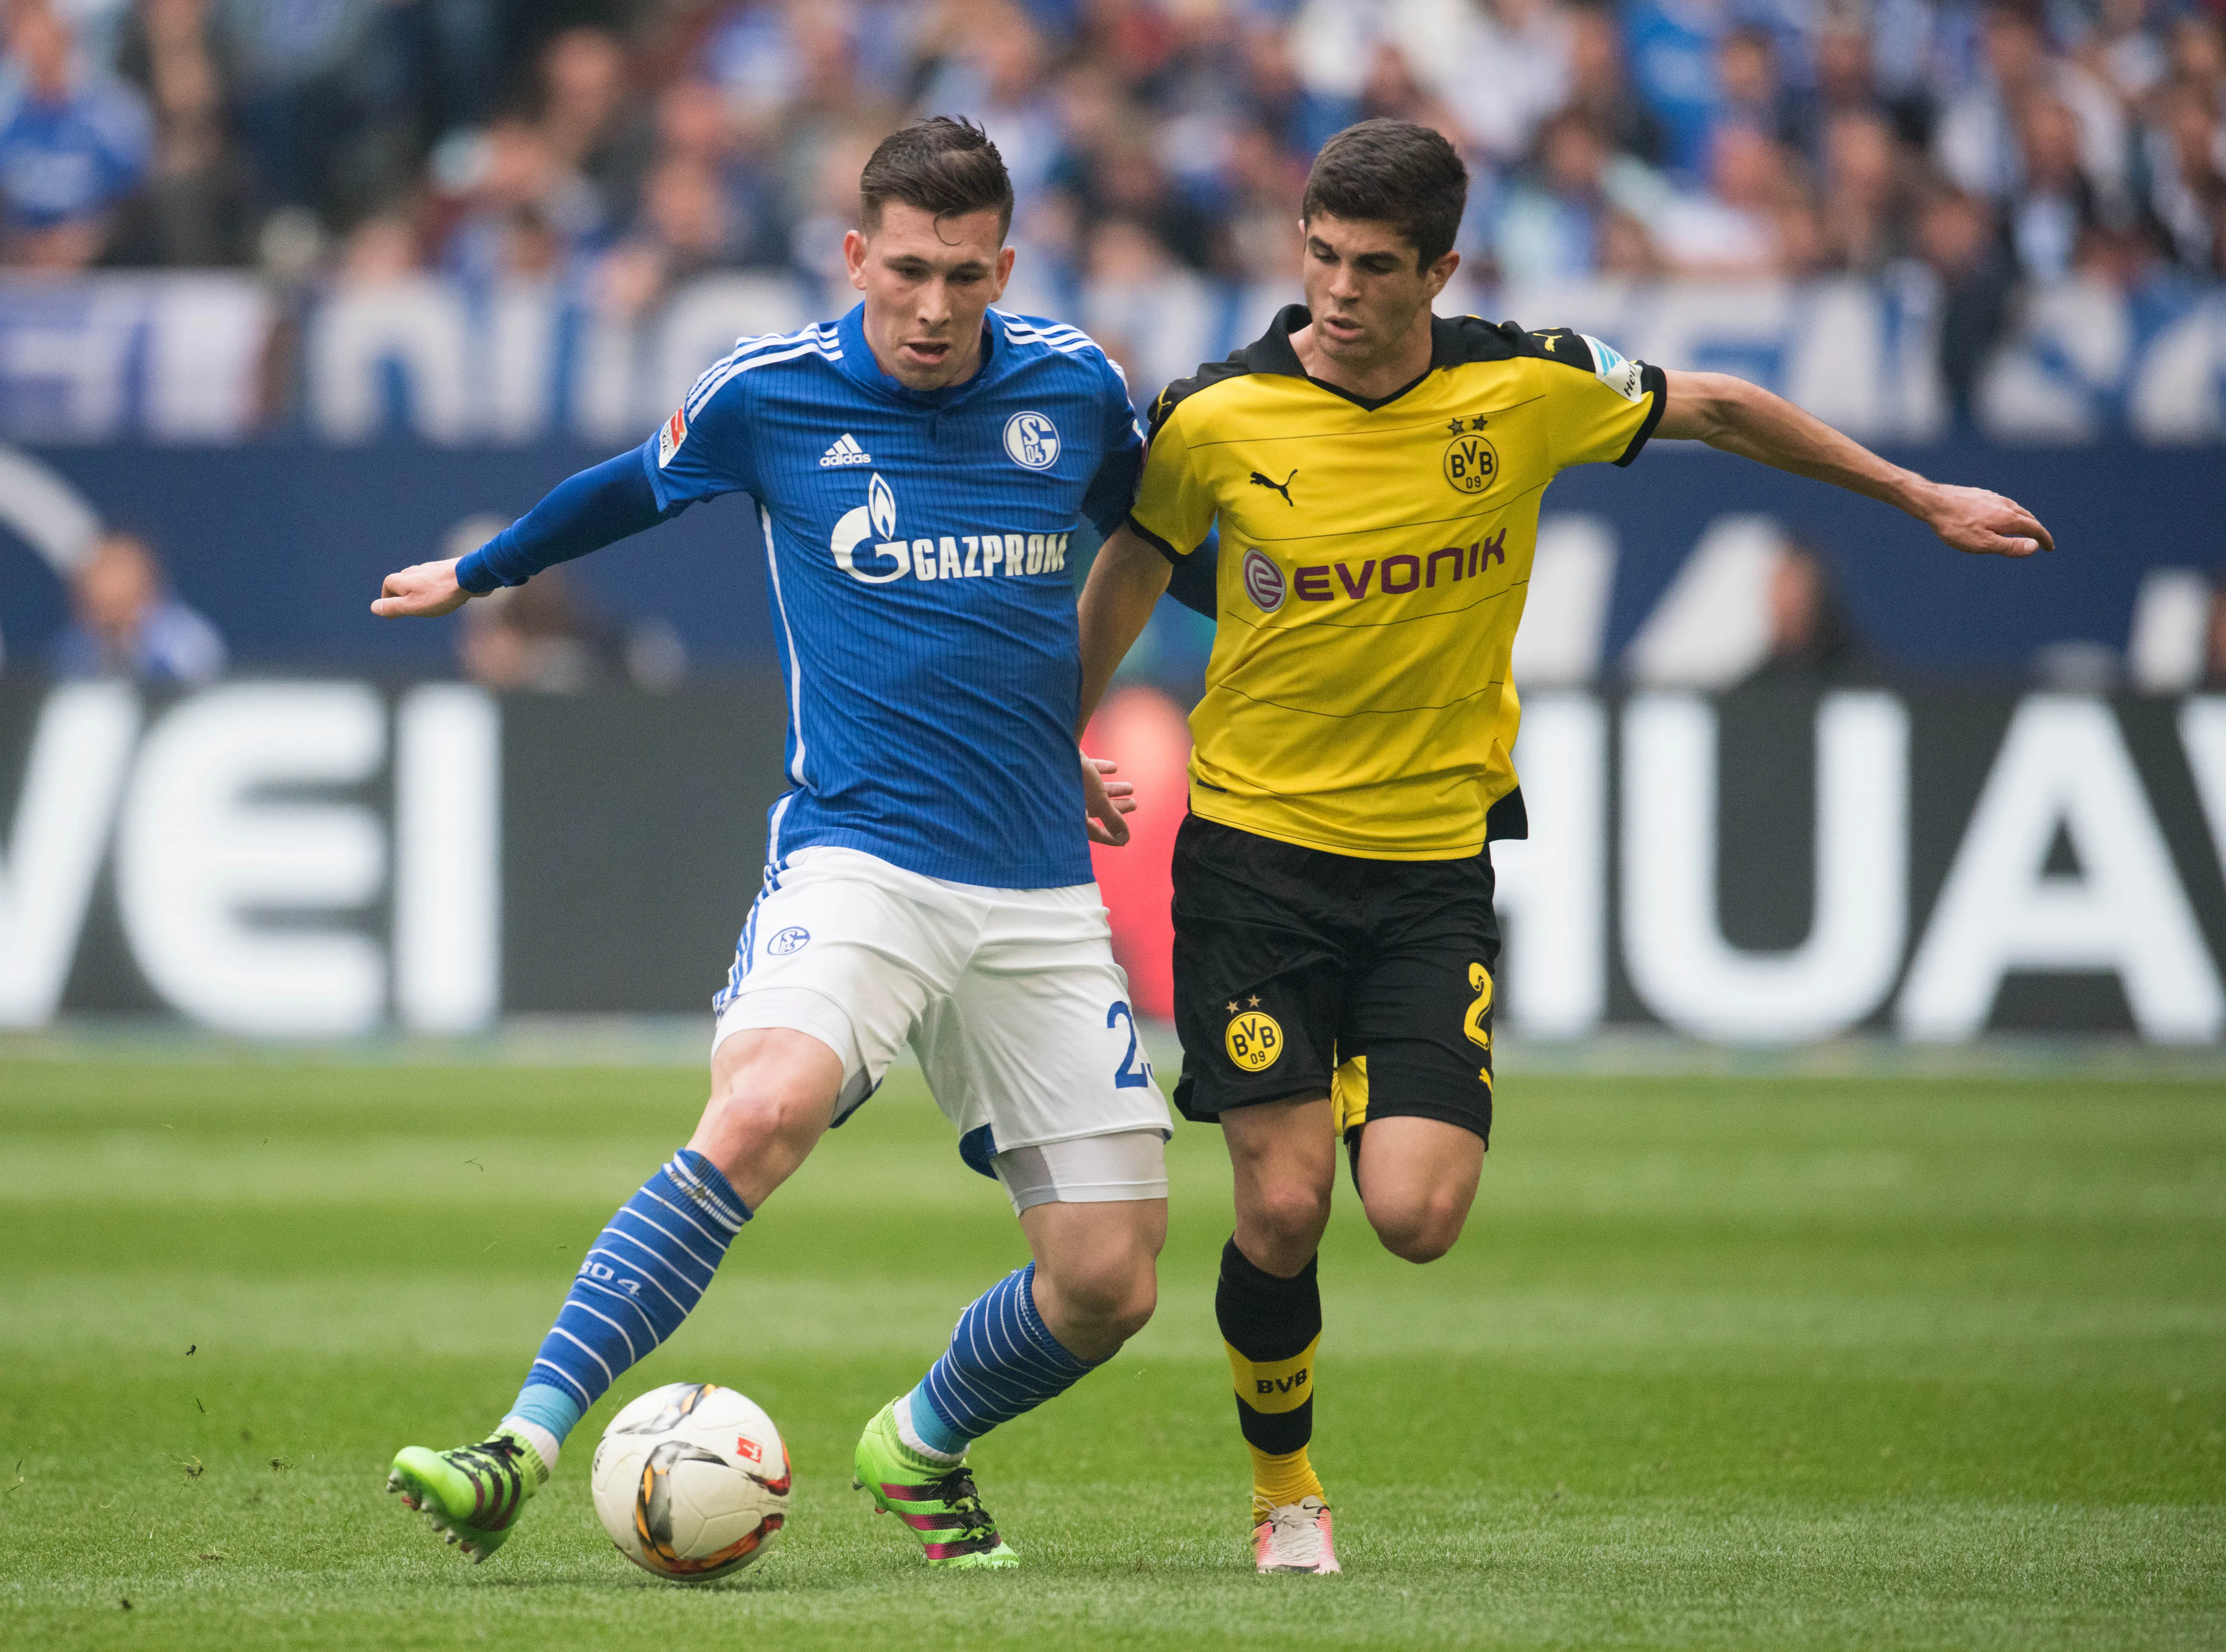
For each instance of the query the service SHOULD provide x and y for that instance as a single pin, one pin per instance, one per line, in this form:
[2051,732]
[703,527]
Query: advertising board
[317,859]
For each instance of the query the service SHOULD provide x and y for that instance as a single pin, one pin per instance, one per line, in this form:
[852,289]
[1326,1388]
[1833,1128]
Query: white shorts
[1011,997]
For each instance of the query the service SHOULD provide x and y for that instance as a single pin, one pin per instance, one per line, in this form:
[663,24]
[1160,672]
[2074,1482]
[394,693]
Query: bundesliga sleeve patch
[670,438]
[1618,372]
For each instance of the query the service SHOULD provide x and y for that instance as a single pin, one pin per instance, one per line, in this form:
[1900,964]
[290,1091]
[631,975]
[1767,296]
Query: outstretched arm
[598,507]
[1742,418]
[1125,583]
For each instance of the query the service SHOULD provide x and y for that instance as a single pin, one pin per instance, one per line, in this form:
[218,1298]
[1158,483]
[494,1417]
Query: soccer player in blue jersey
[918,465]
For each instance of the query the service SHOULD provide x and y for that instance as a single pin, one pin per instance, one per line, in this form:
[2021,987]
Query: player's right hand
[422,592]
[1105,800]
[1984,523]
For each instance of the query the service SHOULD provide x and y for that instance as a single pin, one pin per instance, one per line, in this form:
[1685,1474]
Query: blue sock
[547,1408]
[1002,1361]
[648,1269]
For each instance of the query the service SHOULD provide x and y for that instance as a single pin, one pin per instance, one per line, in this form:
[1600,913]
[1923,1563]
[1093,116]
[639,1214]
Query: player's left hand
[1985,523]
[1106,801]
[421,592]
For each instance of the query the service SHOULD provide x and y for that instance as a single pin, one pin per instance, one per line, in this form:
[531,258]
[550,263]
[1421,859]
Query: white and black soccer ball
[691,1482]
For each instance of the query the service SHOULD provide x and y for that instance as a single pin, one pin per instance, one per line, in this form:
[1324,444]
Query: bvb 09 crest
[1256,1041]
[1471,464]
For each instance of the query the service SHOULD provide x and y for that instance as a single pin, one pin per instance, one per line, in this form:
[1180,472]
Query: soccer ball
[691,1482]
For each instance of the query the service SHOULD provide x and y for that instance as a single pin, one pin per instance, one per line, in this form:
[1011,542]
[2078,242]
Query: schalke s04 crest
[1032,440]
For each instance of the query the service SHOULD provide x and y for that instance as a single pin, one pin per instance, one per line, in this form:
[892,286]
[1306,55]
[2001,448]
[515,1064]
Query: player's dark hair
[1392,172]
[940,165]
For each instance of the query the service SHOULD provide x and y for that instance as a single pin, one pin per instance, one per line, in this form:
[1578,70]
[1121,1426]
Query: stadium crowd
[625,144]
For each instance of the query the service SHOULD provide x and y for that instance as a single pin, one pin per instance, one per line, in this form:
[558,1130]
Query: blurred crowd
[613,149]
[623,145]
[127,621]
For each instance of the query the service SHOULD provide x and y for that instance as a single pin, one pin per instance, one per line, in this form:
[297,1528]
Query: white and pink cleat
[1295,1537]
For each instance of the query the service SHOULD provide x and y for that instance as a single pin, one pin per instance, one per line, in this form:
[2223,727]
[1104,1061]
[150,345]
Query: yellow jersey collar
[1272,353]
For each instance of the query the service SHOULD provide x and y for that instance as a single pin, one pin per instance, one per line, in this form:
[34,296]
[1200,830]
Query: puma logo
[1282,487]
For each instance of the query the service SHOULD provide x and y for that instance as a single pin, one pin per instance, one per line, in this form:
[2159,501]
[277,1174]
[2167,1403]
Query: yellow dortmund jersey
[1374,558]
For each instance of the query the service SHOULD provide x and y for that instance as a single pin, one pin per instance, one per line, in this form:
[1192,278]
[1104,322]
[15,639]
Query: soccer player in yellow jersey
[1375,473]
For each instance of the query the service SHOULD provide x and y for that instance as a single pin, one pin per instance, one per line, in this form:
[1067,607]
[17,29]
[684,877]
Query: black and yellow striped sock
[1271,1327]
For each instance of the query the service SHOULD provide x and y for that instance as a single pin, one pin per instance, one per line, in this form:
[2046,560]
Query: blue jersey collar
[858,362]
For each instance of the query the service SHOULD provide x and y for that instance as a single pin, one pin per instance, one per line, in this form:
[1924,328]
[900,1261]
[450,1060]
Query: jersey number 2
[1479,983]
[1131,1074]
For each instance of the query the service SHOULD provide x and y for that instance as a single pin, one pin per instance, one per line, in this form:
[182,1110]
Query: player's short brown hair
[939,165]
[1392,172]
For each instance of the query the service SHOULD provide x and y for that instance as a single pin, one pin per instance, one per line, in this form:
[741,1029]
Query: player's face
[1364,288]
[927,280]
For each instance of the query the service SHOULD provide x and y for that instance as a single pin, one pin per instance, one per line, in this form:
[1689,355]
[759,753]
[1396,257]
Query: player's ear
[1003,273]
[1439,273]
[853,256]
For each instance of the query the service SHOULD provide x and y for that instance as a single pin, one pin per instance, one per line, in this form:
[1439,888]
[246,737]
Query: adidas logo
[846,451]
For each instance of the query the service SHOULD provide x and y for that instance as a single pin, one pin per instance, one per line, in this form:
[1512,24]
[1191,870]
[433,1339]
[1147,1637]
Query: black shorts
[1298,972]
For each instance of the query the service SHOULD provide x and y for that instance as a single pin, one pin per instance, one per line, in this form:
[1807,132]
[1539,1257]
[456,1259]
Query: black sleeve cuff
[1156,542]
[1508,818]
[1655,383]
[1194,582]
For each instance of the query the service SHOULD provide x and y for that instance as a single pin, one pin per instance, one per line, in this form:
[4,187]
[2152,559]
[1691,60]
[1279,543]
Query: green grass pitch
[1723,1362]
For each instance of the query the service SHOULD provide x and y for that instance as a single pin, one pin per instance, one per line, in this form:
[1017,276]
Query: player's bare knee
[754,1111]
[1421,1245]
[1418,1222]
[1419,1230]
[1286,1220]
[1125,1307]
[1112,1295]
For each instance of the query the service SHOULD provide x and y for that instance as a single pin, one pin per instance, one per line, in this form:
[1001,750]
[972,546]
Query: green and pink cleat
[471,1495]
[938,1505]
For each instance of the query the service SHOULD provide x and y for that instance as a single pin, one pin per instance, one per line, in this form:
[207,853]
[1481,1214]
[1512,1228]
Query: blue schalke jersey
[916,544]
